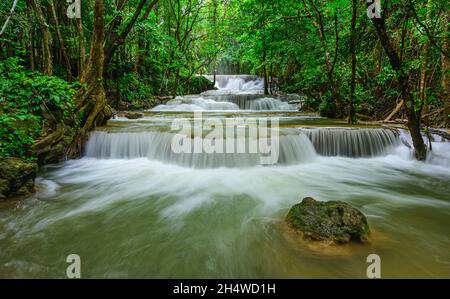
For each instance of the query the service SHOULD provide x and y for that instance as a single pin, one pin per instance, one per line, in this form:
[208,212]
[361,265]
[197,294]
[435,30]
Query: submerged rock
[133,115]
[16,177]
[331,221]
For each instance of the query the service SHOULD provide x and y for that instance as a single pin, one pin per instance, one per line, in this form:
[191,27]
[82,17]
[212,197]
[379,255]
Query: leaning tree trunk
[403,78]
[2,30]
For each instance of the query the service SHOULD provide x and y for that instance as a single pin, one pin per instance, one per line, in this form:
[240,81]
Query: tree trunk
[119,39]
[8,17]
[351,118]
[445,68]
[91,102]
[319,24]
[266,81]
[423,71]
[215,40]
[30,38]
[47,67]
[61,43]
[175,85]
[402,77]
[82,46]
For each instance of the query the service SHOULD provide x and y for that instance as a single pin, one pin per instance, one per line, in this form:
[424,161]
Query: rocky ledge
[331,221]
[133,115]
[16,177]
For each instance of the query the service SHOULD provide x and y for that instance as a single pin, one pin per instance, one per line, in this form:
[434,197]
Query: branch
[9,16]
[120,39]
[427,31]
[337,41]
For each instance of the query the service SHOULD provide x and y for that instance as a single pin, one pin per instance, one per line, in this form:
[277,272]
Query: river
[131,208]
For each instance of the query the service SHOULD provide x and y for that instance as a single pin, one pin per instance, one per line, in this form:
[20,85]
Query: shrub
[29,102]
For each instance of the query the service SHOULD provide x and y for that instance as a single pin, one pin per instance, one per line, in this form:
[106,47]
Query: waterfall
[226,102]
[271,105]
[196,104]
[234,92]
[243,101]
[354,143]
[238,82]
[293,149]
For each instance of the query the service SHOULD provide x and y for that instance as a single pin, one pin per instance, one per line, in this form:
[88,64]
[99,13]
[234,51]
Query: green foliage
[133,88]
[17,134]
[34,93]
[197,84]
[29,103]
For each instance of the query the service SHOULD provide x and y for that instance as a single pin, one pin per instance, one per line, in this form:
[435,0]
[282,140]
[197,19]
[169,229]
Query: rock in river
[16,177]
[133,115]
[331,221]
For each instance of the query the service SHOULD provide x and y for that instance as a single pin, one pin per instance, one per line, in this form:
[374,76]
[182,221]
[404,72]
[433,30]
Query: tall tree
[61,42]
[47,65]
[445,70]
[317,18]
[119,39]
[91,101]
[351,118]
[412,112]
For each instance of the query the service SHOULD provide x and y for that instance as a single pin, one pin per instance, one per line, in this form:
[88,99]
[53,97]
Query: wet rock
[163,99]
[16,177]
[133,115]
[331,221]
[138,104]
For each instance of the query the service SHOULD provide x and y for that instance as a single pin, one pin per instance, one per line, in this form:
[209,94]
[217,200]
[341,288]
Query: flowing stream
[133,208]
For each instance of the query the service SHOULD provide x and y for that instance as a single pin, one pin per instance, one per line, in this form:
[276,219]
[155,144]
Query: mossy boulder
[331,221]
[16,177]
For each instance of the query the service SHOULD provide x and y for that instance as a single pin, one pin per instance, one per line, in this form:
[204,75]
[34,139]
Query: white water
[220,102]
[195,104]
[145,218]
[246,83]
[293,149]
[269,104]
[440,148]
[352,142]
[235,92]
